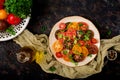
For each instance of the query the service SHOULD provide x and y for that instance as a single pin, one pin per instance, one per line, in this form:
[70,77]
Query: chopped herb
[11,30]
[65,51]
[90,55]
[86,37]
[20,8]
[81,32]
[52,68]
[109,32]
[43,28]
[60,35]
[80,24]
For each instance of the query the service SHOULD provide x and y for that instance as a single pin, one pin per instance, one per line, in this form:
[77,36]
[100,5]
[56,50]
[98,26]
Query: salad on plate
[74,41]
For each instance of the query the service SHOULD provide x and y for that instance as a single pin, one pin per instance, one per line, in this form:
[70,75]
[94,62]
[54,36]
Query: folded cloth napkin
[50,65]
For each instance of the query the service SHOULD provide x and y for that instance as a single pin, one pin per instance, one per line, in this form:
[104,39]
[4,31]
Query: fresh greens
[21,8]
[11,30]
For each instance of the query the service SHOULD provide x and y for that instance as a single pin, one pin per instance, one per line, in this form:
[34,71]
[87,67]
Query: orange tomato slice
[57,46]
[85,51]
[66,58]
[76,49]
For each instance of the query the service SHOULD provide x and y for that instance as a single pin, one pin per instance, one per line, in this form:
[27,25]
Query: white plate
[92,27]
[4,36]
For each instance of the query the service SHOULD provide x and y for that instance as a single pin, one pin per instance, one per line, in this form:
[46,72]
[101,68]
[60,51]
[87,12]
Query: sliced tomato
[93,49]
[88,42]
[83,26]
[62,26]
[94,41]
[71,32]
[66,58]
[57,46]
[82,43]
[58,55]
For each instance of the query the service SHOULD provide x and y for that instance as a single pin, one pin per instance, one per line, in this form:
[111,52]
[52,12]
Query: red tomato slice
[58,55]
[12,19]
[94,41]
[82,43]
[83,26]
[71,32]
[62,26]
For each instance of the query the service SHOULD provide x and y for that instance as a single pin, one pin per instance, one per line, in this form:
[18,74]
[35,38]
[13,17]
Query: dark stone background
[105,14]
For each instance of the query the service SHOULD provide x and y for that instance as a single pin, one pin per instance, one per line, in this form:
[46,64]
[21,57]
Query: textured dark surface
[105,14]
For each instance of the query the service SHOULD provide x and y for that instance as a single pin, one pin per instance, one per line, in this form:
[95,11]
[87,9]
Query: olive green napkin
[50,65]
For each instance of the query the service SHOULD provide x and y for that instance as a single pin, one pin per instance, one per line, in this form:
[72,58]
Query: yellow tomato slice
[74,25]
[76,49]
[85,51]
[57,46]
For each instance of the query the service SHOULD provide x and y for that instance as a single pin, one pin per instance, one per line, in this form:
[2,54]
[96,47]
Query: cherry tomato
[13,19]
[3,14]
[83,26]
[58,55]
[94,41]
[82,43]
[62,26]
[88,42]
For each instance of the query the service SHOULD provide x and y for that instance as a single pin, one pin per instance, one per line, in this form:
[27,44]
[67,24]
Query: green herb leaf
[21,8]
[52,68]
[11,30]
[90,55]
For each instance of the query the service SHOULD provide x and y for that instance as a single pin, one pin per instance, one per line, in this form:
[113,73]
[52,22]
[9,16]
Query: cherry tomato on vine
[13,19]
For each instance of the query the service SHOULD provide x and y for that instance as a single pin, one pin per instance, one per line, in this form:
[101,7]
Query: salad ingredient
[83,26]
[66,58]
[57,46]
[58,55]
[92,49]
[3,14]
[85,51]
[82,43]
[74,25]
[94,41]
[62,26]
[78,58]
[3,25]
[20,8]
[70,33]
[76,49]
[12,19]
